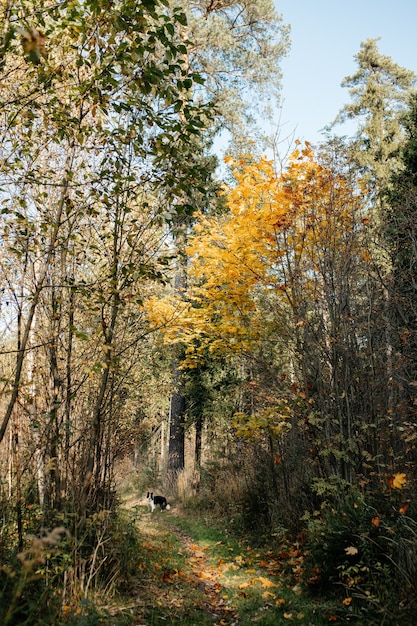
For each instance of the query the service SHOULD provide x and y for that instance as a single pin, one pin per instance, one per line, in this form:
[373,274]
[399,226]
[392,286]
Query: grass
[192,572]
[261,587]
[189,571]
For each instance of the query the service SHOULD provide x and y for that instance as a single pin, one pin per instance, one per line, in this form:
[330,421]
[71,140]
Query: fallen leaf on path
[198,553]
[205,575]
[246,584]
[267,594]
[168,577]
[232,566]
[265,582]
[186,578]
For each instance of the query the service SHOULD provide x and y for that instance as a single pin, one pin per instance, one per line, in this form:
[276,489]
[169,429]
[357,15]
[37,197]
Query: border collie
[153,501]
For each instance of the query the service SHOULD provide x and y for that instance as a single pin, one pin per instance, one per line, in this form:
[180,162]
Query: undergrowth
[352,560]
[63,576]
[352,549]
[365,545]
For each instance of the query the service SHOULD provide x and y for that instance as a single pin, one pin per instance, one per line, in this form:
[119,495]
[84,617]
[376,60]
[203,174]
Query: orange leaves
[265,582]
[168,314]
[404,508]
[268,247]
[257,196]
[233,257]
[273,219]
[397,481]
[169,576]
[198,552]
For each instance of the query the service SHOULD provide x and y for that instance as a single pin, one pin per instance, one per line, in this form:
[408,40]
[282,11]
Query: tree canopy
[218,335]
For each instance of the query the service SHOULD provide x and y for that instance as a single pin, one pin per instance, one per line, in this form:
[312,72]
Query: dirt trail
[195,588]
[216,579]
[207,578]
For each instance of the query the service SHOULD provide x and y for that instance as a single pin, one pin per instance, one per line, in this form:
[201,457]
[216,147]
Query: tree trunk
[198,441]
[176,447]
[176,444]
[23,344]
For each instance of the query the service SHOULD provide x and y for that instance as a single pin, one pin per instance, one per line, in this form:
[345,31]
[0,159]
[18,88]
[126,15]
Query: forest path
[192,574]
[178,578]
[207,577]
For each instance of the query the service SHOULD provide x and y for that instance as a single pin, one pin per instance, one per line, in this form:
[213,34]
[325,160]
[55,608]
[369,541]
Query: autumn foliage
[284,286]
[276,225]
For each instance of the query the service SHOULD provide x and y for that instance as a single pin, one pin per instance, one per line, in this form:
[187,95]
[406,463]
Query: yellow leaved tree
[281,237]
[276,269]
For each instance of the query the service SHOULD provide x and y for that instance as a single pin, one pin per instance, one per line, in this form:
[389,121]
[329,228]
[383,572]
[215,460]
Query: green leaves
[379,93]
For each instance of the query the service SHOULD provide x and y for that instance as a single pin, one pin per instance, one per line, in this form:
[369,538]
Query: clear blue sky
[325,36]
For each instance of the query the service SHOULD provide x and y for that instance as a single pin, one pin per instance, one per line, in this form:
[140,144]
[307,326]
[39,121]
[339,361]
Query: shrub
[365,547]
[63,578]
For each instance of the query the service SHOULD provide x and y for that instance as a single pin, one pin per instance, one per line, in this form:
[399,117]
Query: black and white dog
[153,501]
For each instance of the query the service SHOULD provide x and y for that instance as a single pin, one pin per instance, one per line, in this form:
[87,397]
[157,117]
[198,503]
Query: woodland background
[240,333]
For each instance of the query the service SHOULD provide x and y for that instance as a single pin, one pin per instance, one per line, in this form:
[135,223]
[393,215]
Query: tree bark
[176,446]
[176,455]
[21,352]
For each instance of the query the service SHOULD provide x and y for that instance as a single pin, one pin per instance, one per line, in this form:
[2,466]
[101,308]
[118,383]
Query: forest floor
[194,573]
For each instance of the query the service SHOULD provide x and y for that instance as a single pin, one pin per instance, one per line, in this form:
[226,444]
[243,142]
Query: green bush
[366,549]
[65,578]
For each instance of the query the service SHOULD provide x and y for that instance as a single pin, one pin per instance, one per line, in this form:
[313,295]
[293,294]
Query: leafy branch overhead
[97,120]
[274,221]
